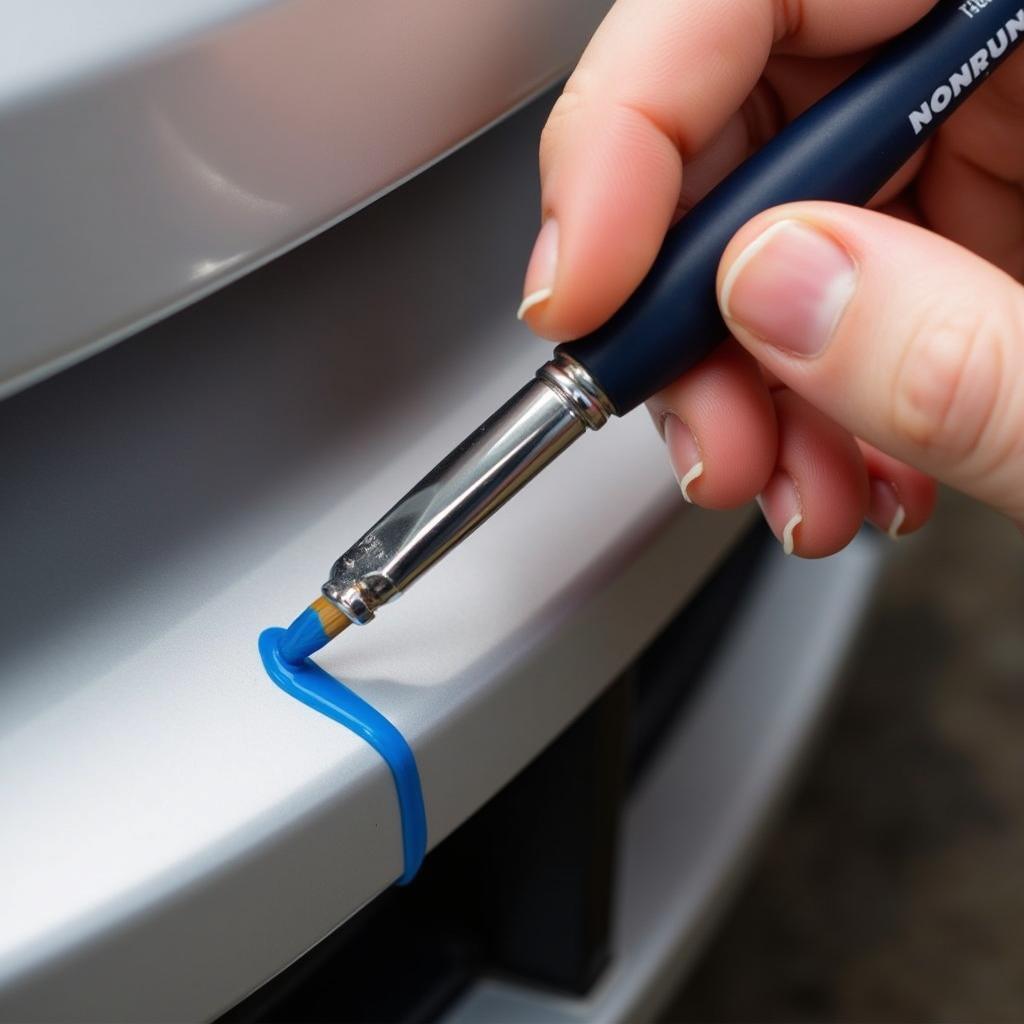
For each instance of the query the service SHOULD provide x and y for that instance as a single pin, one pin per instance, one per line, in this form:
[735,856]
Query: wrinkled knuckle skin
[948,382]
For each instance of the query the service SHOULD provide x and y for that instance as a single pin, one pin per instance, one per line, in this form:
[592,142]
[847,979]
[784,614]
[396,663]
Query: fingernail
[540,273]
[886,510]
[789,287]
[683,453]
[780,503]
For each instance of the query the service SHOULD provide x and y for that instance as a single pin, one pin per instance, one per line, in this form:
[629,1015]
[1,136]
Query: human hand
[925,340]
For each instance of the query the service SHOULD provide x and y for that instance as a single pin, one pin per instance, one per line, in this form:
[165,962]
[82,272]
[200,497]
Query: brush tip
[314,628]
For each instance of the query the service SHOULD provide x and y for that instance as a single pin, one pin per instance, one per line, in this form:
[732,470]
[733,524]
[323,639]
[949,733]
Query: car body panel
[152,152]
[181,828]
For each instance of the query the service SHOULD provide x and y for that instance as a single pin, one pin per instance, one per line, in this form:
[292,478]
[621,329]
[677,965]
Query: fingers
[901,499]
[644,95]
[658,81]
[824,484]
[718,423]
[729,440]
[907,340]
[817,496]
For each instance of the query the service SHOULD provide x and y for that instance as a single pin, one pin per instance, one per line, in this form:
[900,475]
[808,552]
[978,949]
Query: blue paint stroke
[308,682]
[304,636]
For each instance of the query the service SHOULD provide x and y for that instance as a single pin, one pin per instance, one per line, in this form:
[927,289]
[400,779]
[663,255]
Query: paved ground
[892,889]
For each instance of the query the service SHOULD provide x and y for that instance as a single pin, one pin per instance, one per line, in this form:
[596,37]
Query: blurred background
[890,886]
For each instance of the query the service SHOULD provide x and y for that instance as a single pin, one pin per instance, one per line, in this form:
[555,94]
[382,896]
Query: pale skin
[874,351]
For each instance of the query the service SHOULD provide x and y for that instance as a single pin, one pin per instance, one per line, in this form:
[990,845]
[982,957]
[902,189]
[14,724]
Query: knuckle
[949,380]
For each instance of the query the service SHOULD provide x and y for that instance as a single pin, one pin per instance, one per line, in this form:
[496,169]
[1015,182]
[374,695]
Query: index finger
[657,83]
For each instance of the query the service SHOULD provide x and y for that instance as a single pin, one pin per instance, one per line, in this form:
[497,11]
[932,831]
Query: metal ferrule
[472,483]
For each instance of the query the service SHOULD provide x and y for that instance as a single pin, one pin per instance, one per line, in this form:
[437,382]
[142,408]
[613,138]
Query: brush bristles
[332,620]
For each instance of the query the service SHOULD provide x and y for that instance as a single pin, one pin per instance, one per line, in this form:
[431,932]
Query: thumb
[909,341]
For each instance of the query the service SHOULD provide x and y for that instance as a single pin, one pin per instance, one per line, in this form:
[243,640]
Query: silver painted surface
[152,151]
[176,829]
[693,822]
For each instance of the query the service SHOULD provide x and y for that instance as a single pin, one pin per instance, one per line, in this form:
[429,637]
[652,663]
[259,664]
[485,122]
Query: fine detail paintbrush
[843,149]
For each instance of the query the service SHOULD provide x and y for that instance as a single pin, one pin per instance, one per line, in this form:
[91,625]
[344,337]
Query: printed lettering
[920,118]
[979,63]
[1015,26]
[961,80]
[976,67]
[941,98]
[997,45]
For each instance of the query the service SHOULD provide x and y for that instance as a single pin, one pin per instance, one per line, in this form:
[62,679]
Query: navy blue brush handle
[843,149]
